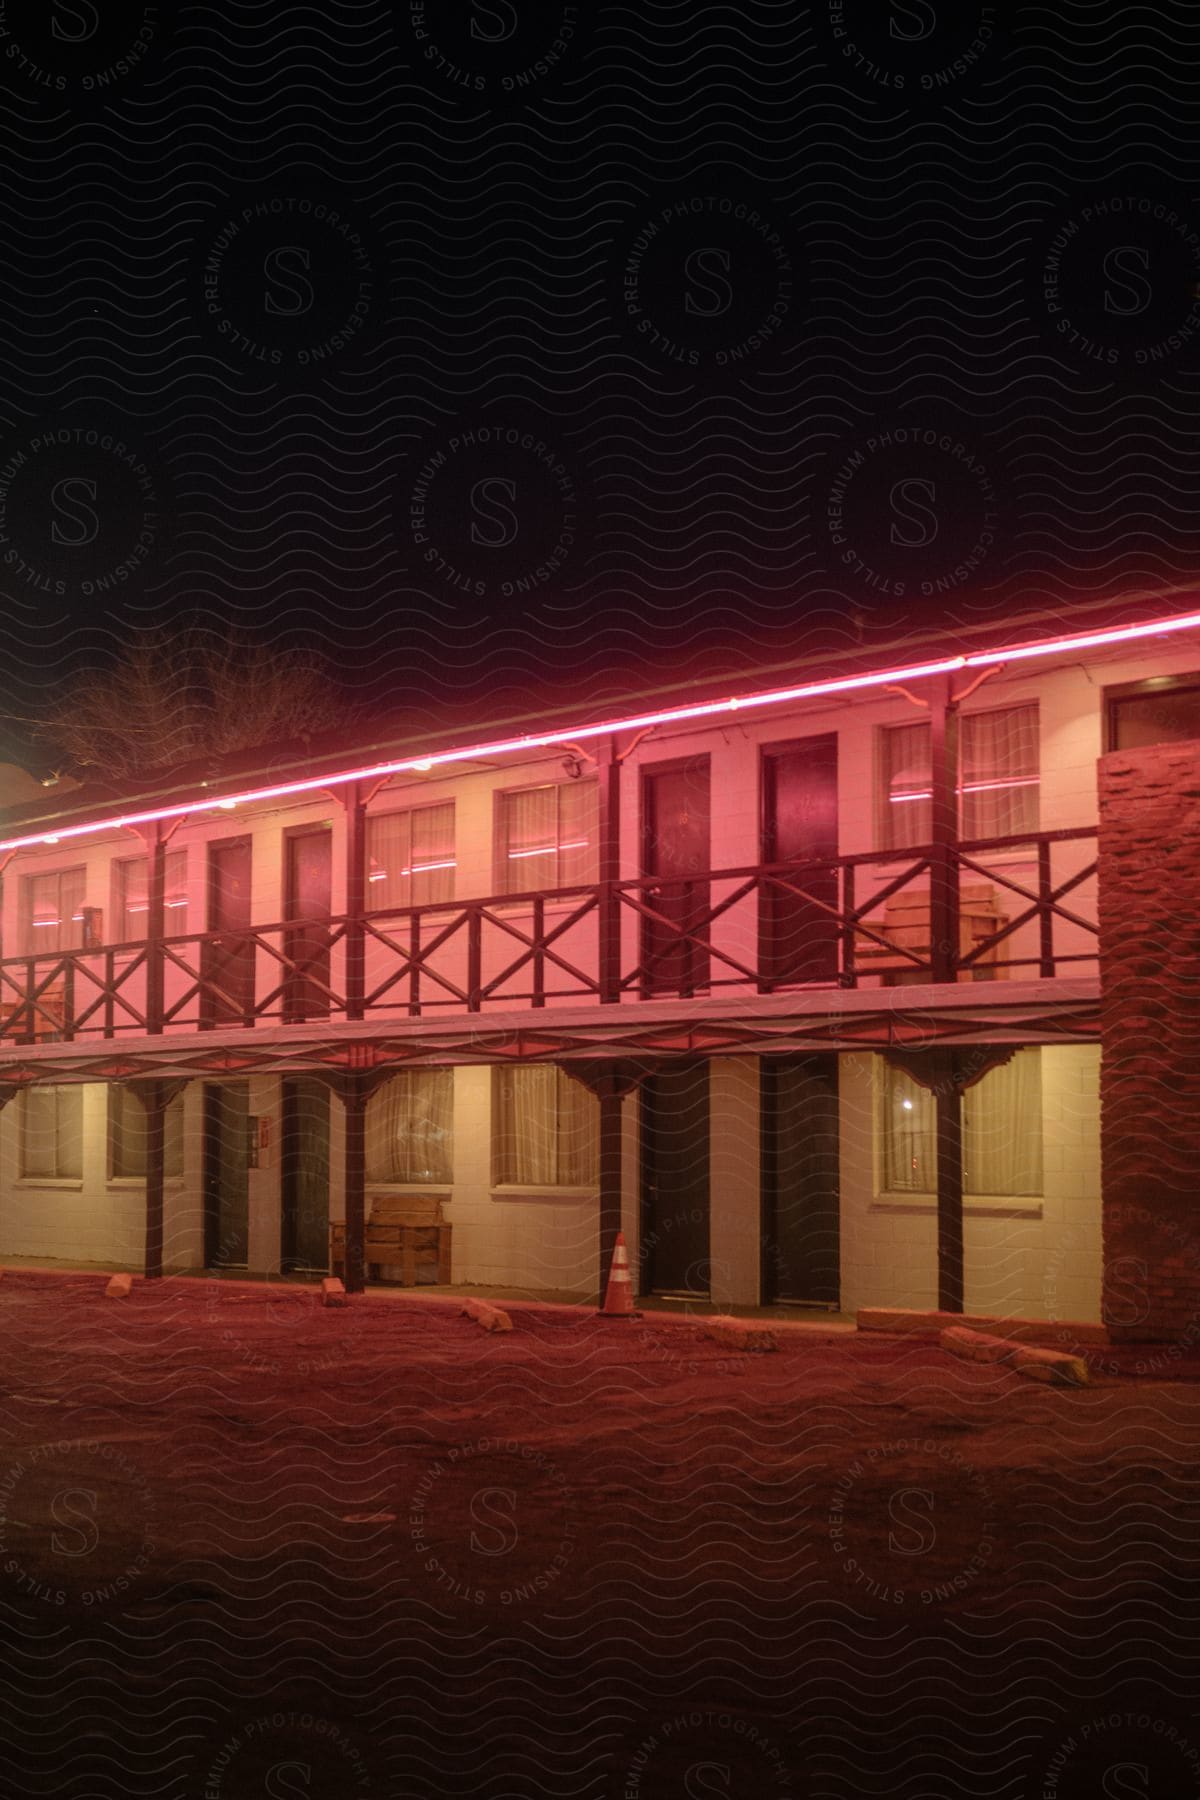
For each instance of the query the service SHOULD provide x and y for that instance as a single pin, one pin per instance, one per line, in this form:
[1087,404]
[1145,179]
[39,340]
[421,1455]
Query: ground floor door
[800,1179]
[675,1199]
[226,1175]
[304,1154]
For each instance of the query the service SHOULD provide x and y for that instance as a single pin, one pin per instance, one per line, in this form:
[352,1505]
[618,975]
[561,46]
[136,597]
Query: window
[998,777]
[545,1129]
[546,836]
[1002,1132]
[52,911]
[133,896]
[127,1135]
[410,857]
[52,1133]
[410,1127]
[1163,710]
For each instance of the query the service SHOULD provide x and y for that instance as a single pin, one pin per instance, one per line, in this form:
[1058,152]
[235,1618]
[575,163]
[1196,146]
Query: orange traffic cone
[618,1297]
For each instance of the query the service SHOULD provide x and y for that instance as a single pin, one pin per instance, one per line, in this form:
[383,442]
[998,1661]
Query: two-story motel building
[802,987]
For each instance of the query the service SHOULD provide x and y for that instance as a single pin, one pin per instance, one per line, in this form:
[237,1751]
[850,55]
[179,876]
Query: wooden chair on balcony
[403,1231]
[48,1022]
[905,924]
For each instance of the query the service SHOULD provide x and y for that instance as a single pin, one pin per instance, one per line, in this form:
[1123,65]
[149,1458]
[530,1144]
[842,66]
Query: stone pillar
[1149,881]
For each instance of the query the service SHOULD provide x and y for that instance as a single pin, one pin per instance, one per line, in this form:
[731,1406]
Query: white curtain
[1002,1129]
[410,1127]
[410,857]
[127,1134]
[578,859]
[907,777]
[1002,1132]
[528,839]
[546,1129]
[133,897]
[52,1132]
[53,911]
[998,753]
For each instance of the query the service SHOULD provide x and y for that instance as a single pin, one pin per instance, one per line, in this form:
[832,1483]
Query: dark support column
[943,881]
[155,1097]
[356,887]
[355,1095]
[609,770]
[610,1082]
[156,867]
[948,1073]
[949,1197]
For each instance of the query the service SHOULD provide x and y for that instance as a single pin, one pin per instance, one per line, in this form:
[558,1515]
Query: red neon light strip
[572,734]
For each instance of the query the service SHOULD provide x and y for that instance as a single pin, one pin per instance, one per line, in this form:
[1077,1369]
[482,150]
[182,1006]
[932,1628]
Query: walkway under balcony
[992,941]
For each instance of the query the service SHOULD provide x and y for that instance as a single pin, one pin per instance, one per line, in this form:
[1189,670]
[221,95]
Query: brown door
[800,1238]
[308,897]
[226,1175]
[675,845]
[798,912]
[304,1168]
[228,961]
[675,1200]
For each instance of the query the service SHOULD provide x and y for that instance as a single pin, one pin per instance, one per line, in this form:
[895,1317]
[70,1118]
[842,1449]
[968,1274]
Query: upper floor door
[676,846]
[307,903]
[228,956]
[798,917]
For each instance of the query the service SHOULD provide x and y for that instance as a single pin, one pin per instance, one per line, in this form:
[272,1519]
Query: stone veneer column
[1150,1036]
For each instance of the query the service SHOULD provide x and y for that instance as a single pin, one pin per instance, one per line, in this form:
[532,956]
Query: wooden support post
[355,1094]
[610,1082]
[156,872]
[356,888]
[949,1196]
[948,1074]
[155,1097]
[609,864]
[943,875]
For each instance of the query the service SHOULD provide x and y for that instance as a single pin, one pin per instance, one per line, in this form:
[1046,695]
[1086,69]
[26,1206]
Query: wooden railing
[857,920]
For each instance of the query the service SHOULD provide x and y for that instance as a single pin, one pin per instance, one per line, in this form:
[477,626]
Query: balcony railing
[1024,907]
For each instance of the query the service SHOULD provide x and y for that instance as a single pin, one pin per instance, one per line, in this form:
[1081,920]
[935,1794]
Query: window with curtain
[127,1135]
[545,1129]
[133,896]
[546,836]
[1002,1132]
[52,1132]
[998,777]
[410,857]
[52,911]
[410,1127]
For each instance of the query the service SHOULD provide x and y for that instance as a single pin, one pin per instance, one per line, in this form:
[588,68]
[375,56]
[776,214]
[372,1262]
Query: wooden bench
[905,924]
[400,1228]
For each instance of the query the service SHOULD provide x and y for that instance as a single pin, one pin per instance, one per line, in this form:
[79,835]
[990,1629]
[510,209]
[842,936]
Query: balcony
[1020,909]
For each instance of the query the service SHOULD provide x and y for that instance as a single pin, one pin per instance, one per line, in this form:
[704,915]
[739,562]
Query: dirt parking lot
[252,1547]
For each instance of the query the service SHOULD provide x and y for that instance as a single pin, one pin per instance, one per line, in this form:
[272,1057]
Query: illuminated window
[1002,1132]
[410,1127]
[133,896]
[52,911]
[998,777]
[546,836]
[52,1133]
[410,857]
[545,1129]
[127,1135]
[1165,709]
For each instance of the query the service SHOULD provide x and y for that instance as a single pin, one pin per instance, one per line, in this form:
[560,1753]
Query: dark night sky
[787,326]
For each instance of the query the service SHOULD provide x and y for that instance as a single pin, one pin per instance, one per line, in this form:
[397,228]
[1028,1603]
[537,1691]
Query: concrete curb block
[738,1334]
[119,1287]
[333,1292]
[490,1317]
[1050,1332]
[1043,1365]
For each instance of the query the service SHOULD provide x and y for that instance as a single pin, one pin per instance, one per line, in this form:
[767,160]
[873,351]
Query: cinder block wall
[1150,1071]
